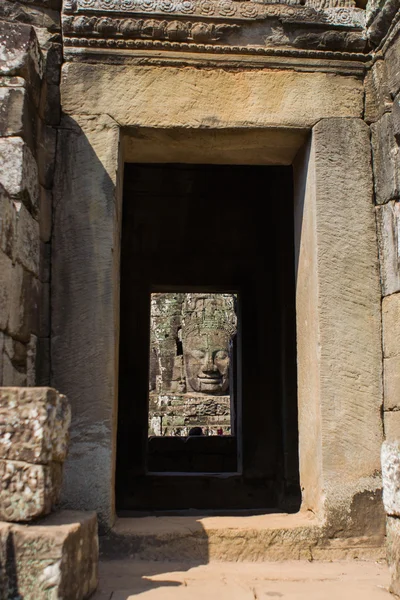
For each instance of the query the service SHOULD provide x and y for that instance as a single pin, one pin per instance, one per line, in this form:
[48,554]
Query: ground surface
[292,580]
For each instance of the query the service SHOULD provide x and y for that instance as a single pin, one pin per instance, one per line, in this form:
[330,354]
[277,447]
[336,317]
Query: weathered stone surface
[391,325]
[50,103]
[391,421]
[13,372]
[84,210]
[391,375]
[23,303]
[7,223]
[388,229]
[43,361]
[28,491]
[31,355]
[377,96]
[21,55]
[34,425]
[390,457]
[208,98]
[18,170]
[46,154]
[16,115]
[27,245]
[393,552]
[6,279]
[45,214]
[54,559]
[386,157]
[31,13]
[338,315]
[396,118]
[392,60]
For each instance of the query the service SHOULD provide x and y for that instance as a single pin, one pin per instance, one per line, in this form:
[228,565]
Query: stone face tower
[199,145]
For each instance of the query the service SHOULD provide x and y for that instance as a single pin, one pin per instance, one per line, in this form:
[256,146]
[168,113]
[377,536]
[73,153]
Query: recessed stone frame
[337,281]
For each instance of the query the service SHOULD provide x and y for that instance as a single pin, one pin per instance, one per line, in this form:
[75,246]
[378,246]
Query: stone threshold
[203,538]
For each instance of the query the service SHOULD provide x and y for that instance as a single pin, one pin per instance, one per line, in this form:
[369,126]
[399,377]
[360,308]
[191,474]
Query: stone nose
[208,365]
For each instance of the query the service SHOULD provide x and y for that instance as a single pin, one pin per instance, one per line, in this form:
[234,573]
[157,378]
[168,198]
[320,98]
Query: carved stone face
[206,356]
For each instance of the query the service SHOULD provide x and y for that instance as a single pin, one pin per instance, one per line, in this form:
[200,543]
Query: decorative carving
[153,29]
[138,44]
[208,325]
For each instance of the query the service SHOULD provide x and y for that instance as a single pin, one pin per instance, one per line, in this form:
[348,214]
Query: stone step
[240,537]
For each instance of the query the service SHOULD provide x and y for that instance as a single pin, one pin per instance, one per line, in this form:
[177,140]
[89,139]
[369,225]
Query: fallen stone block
[34,425]
[57,558]
[28,491]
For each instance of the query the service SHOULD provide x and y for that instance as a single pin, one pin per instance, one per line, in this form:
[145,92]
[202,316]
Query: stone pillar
[338,328]
[85,305]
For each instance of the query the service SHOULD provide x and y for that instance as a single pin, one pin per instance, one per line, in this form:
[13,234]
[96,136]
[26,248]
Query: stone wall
[30,62]
[383,114]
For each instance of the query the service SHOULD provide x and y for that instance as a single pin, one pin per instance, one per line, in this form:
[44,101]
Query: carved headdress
[209,312]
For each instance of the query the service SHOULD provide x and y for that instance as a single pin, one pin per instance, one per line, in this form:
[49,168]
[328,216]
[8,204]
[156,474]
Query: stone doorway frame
[338,310]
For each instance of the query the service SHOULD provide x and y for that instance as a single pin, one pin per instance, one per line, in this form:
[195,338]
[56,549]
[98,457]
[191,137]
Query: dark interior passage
[212,228]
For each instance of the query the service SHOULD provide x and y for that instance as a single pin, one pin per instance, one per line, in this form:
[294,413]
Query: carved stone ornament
[214,25]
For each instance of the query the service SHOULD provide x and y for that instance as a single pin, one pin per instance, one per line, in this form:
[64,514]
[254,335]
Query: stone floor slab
[292,580]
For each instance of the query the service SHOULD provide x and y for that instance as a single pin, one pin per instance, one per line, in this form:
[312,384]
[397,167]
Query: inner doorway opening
[193,383]
[210,231]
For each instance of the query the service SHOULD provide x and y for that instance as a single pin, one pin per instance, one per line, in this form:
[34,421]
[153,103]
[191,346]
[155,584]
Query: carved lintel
[152,29]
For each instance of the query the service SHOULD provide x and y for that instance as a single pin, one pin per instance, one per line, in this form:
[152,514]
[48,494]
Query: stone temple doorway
[221,230]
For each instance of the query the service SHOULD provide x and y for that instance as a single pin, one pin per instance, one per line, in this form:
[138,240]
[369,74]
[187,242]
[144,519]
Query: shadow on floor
[143,547]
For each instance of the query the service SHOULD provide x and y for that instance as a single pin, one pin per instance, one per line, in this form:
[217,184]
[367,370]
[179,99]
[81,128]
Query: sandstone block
[42,367]
[248,98]
[57,558]
[34,425]
[23,303]
[27,246]
[5,549]
[1,356]
[392,60]
[388,229]
[20,54]
[6,279]
[392,425]
[390,458]
[18,170]
[16,116]
[46,154]
[386,157]
[12,374]
[45,214]
[393,552]
[50,103]
[396,118]
[28,491]
[377,97]
[391,379]
[391,325]
[31,361]
[7,223]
